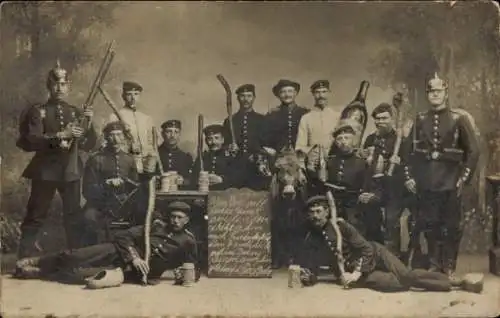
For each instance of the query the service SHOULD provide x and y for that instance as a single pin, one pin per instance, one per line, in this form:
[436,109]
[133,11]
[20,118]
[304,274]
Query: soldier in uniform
[138,124]
[316,127]
[47,131]
[109,184]
[365,264]
[442,154]
[248,126]
[381,143]
[217,161]
[171,246]
[282,122]
[171,156]
[356,189]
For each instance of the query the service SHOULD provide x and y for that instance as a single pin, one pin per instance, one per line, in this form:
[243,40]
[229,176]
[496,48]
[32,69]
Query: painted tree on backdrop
[33,35]
[460,40]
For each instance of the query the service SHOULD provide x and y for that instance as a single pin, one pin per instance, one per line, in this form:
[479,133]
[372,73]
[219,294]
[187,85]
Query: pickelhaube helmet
[57,73]
[436,83]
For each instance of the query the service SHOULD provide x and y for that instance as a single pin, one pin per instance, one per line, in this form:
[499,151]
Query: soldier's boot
[27,242]
[27,268]
[435,256]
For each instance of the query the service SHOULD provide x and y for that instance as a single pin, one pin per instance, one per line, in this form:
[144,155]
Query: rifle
[72,144]
[397,102]
[333,221]
[147,224]
[229,105]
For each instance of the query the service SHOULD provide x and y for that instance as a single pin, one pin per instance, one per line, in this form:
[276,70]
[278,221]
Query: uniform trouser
[80,262]
[367,219]
[439,215]
[42,193]
[392,235]
[391,275]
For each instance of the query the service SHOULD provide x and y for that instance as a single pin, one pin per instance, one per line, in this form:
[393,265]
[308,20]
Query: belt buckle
[435,155]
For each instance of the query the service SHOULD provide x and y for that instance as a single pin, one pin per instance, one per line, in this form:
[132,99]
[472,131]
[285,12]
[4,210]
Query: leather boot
[435,257]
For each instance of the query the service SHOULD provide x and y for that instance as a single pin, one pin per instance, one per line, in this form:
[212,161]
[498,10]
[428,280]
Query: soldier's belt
[446,154]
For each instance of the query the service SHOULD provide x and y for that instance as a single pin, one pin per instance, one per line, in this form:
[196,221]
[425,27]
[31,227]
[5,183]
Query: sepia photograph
[278,158]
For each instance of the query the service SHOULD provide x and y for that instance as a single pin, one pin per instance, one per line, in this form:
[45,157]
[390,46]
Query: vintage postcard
[253,159]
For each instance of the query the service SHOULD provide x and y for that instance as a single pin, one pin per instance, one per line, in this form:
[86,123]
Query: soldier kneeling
[171,246]
[367,264]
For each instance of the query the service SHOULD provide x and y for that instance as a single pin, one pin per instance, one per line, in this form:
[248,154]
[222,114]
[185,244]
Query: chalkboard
[239,236]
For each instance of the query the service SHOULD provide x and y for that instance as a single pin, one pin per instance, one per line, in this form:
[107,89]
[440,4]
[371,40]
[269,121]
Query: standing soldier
[316,127]
[216,161]
[171,156]
[248,125]
[381,144]
[282,122]
[109,183]
[50,131]
[443,158]
[139,125]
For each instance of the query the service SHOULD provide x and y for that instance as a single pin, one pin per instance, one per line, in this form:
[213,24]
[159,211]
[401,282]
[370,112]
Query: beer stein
[188,274]
[172,176]
[165,182]
[150,164]
[294,276]
[203,182]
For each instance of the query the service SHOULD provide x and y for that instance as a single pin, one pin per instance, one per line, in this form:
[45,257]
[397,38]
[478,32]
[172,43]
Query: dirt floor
[246,297]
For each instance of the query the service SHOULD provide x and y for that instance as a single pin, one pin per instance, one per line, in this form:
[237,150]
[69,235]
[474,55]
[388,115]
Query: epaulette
[274,110]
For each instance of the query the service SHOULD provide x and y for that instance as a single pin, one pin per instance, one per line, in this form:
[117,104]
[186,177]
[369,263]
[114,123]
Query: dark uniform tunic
[350,171]
[169,250]
[380,269]
[282,124]
[393,190]
[176,160]
[51,170]
[248,130]
[441,149]
[113,204]
[220,163]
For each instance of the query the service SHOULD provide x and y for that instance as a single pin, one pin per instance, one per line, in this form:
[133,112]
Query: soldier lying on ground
[367,264]
[171,246]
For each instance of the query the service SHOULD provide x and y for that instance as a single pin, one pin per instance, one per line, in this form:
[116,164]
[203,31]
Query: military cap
[284,83]
[245,88]
[172,123]
[382,108]
[131,86]
[345,126]
[178,206]
[115,125]
[316,200]
[436,83]
[57,73]
[213,129]
[320,84]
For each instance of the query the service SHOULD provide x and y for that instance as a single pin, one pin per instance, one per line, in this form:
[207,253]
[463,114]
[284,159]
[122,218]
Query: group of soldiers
[432,166]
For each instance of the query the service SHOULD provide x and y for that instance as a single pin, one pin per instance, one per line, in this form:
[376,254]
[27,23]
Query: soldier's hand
[395,160]
[76,131]
[270,151]
[141,266]
[233,148]
[136,148]
[180,180]
[366,197]
[349,278]
[115,182]
[411,185]
[214,179]
[89,112]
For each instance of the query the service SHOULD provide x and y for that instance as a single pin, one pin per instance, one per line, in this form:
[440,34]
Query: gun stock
[229,105]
